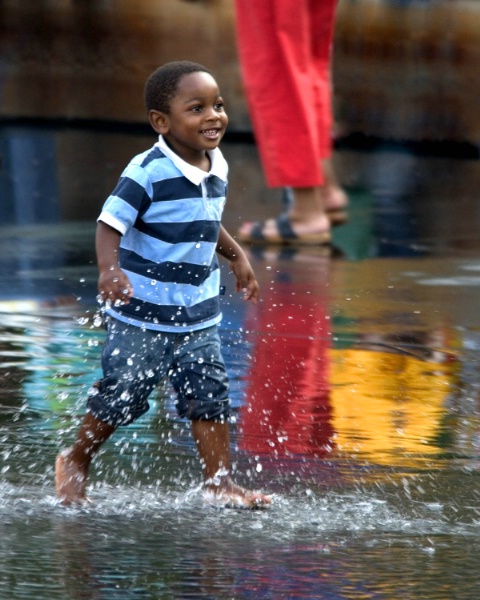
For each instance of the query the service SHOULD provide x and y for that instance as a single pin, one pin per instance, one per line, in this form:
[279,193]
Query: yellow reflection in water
[388,407]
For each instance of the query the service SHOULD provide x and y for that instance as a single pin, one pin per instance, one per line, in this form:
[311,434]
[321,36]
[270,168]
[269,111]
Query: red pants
[284,48]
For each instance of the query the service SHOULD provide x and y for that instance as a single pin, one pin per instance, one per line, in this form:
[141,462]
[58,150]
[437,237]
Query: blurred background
[72,74]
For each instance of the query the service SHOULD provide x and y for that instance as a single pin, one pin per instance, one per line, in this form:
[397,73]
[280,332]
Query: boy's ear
[159,121]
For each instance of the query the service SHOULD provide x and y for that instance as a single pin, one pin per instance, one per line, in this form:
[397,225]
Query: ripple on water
[306,515]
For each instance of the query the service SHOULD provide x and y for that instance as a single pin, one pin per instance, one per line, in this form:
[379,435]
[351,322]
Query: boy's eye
[219,106]
[197,108]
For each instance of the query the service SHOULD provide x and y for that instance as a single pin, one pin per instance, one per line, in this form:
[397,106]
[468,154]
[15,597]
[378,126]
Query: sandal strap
[256,233]
[284,227]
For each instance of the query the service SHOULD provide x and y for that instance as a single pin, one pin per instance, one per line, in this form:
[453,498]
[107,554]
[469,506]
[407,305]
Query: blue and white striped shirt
[169,214]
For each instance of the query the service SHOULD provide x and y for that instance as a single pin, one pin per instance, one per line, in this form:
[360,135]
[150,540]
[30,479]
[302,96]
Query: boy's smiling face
[196,121]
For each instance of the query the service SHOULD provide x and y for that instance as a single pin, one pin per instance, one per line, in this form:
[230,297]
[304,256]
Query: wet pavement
[355,380]
[355,384]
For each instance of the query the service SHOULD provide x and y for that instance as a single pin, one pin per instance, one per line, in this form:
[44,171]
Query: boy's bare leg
[212,439]
[72,464]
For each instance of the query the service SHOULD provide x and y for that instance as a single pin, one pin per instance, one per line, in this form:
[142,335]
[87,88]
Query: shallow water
[355,388]
[355,381]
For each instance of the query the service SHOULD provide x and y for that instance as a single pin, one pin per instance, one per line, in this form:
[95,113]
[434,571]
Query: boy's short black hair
[162,84]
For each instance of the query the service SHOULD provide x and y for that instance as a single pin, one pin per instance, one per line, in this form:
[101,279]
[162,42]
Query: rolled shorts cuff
[197,410]
[116,417]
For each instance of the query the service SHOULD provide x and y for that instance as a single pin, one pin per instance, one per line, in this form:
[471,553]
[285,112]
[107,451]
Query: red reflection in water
[288,409]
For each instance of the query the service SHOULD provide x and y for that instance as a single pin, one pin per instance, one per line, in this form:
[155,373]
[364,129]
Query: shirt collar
[218,165]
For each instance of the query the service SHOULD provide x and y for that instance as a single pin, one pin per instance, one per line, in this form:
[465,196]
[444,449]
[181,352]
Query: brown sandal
[285,235]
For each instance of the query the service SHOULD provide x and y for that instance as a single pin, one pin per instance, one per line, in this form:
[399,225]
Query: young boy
[157,239]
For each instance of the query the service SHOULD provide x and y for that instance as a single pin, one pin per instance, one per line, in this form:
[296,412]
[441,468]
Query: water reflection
[389,405]
[379,397]
[192,554]
[356,391]
[288,412]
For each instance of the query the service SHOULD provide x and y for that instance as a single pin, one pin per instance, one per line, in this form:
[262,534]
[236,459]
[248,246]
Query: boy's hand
[239,265]
[246,280]
[114,286]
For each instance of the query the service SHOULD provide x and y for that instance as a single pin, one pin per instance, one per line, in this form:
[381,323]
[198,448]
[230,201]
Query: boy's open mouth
[211,133]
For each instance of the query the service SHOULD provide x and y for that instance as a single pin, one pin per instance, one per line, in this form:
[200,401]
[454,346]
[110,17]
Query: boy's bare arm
[239,265]
[113,284]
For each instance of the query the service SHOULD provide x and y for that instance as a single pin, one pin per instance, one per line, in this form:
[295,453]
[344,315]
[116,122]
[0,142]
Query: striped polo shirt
[169,214]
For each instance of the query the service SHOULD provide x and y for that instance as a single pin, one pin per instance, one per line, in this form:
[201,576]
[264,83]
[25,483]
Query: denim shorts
[135,360]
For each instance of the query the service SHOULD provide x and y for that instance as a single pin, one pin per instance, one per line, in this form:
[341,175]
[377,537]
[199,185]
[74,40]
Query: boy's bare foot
[228,494]
[70,480]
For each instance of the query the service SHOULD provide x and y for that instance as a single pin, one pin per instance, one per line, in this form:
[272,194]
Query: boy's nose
[213,114]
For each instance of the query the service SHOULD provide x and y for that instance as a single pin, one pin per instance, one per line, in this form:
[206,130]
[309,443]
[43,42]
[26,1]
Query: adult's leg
[280,71]
[275,56]
[321,35]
